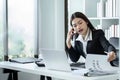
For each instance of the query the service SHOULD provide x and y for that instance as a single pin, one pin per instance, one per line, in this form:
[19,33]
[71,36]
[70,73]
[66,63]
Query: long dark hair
[81,15]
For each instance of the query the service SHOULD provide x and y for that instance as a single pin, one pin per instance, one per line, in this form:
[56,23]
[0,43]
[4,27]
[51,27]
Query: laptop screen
[55,59]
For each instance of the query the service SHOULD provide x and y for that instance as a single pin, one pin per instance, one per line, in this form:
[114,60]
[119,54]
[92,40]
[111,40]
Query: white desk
[34,69]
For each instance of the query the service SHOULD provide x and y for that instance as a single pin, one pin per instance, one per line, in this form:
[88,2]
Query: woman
[86,39]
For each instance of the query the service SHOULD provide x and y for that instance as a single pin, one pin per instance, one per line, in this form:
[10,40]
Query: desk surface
[34,69]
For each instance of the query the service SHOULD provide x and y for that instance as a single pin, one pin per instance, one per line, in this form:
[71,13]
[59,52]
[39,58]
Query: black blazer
[98,45]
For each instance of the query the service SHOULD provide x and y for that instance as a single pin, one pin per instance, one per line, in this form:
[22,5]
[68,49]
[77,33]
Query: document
[97,65]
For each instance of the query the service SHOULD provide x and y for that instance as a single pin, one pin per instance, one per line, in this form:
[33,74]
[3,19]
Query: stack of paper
[96,65]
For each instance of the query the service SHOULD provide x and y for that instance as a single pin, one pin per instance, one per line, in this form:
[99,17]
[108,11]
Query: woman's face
[80,26]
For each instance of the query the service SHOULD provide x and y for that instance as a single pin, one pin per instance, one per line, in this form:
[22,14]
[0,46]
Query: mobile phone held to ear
[73,37]
[75,34]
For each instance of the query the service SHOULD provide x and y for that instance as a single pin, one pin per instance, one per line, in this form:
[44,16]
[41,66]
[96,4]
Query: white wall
[52,24]
[59,25]
[47,23]
[75,6]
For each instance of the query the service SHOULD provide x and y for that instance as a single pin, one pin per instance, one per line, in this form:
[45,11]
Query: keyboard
[78,65]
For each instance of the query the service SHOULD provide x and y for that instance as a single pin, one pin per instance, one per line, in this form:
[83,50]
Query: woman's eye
[80,23]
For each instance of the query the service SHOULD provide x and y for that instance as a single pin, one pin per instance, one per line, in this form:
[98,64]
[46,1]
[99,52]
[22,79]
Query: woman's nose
[78,26]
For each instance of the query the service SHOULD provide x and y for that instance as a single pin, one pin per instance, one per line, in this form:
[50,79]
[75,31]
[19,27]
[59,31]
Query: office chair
[115,42]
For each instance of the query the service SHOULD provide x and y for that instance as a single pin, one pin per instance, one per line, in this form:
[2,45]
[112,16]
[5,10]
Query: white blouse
[84,41]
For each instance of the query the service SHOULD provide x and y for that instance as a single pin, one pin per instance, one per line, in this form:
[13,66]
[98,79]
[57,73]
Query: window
[21,28]
[1,30]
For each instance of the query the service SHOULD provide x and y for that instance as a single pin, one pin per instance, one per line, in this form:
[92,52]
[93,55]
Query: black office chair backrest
[115,42]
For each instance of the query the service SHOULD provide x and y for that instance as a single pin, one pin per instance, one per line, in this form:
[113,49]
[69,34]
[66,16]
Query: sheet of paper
[99,63]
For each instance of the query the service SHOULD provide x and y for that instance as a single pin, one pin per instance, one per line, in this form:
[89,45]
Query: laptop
[56,60]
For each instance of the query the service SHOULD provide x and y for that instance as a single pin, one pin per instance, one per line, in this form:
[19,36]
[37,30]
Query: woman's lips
[80,30]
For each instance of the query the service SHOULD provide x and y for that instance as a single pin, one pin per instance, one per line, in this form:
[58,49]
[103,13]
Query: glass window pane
[21,17]
[1,30]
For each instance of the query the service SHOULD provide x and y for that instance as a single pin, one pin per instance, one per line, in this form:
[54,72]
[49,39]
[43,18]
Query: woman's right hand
[69,37]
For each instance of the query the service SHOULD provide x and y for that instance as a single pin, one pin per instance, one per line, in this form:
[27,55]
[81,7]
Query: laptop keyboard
[78,65]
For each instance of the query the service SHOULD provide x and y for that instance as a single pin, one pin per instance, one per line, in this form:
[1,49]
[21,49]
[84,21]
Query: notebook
[56,60]
[25,60]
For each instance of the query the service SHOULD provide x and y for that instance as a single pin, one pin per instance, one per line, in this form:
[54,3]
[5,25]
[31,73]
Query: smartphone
[75,35]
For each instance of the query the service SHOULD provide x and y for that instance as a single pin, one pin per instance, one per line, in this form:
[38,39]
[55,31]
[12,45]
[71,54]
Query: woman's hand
[111,56]
[69,37]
